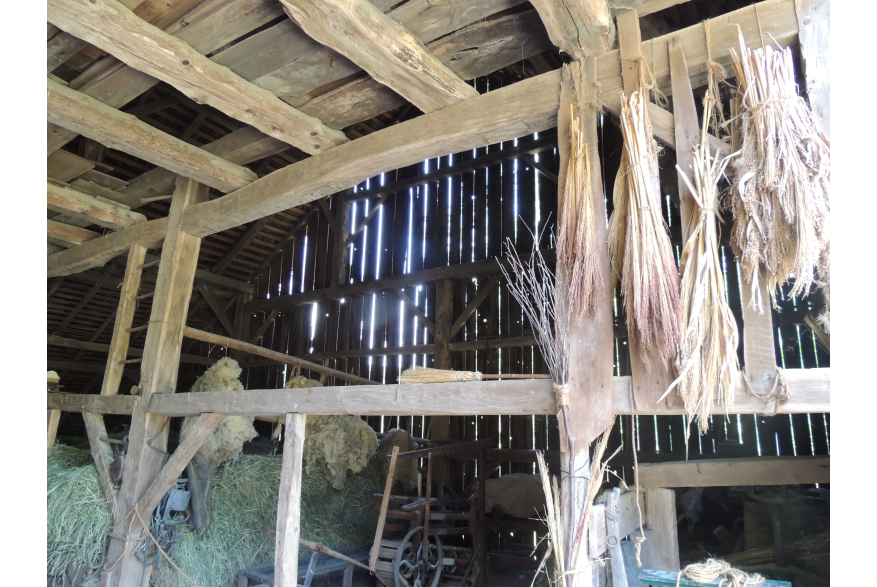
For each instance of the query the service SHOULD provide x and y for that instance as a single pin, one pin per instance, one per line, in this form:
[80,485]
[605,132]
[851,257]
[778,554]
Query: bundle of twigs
[779,196]
[639,245]
[577,234]
[707,355]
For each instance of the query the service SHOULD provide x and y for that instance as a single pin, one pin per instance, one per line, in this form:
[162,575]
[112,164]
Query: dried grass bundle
[707,355]
[639,245]
[554,523]
[779,196]
[577,234]
[417,374]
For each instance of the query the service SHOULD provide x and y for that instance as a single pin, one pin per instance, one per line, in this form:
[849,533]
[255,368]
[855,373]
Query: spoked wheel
[411,568]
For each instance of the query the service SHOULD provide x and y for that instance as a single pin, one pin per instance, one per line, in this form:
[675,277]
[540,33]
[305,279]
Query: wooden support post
[814,24]
[440,426]
[101,452]
[289,503]
[54,416]
[591,350]
[648,384]
[158,374]
[241,324]
[661,520]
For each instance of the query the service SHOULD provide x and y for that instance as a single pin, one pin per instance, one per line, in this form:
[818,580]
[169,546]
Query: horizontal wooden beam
[110,26]
[69,201]
[83,114]
[68,235]
[747,471]
[513,111]
[121,405]
[642,7]
[269,354]
[96,347]
[810,389]
[381,46]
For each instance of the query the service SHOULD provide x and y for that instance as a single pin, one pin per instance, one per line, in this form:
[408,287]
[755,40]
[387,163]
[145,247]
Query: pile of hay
[78,519]
[243,518]
[228,439]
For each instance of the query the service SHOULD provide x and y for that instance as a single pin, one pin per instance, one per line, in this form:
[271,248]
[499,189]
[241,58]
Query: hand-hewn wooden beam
[726,472]
[577,27]
[83,114]
[121,405]
[110,26]
[643,7]
[68,235]
[289,503]
[383,47]
[69,201]
[60,48]
[97,347]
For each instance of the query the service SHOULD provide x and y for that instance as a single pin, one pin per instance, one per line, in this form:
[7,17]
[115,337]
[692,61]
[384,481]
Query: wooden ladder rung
[150,264]
[138,328]
[145,296]
[129,361]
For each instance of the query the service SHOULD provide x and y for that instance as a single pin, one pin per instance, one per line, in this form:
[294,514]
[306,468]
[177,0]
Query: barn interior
[287,246]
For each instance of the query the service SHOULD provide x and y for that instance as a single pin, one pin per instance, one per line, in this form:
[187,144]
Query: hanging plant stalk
[779,195]
[639,245]
[577,234]
[707,357]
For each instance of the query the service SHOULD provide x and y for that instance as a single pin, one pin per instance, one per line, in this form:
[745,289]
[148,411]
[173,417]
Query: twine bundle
[707,356]
[713,569]
[780,193]
[577,234]
[417,374]
[639,244]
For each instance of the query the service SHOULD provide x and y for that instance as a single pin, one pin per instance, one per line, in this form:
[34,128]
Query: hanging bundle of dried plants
[639,245]
[707,357]
[780,192]
[577,234]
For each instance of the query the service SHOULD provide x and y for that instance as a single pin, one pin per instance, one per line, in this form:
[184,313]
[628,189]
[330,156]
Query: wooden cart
[420,558]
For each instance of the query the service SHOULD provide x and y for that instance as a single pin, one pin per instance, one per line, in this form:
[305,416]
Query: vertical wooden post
[814,25]
[591,386]
[101,452]
[648,384]
[54,416]
[241,325]
[289,503]
[439,426]
[661,519]
[158,374]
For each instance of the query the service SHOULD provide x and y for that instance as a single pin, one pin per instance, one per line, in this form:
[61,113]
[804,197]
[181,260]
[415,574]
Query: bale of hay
[78,519]
[229,437]
[406,471]
[339,444]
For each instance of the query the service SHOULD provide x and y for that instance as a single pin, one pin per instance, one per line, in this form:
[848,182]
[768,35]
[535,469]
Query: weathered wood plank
[814,22]
[747,471]
[53,418]
[661,519]
[83,114]
[112,27]
[97,347]
[289,503]
[67,235]
[121,405]
[388,51]
[69,201]
[577,27]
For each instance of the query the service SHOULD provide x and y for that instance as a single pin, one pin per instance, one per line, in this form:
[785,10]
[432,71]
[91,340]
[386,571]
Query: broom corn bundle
[577,234]
[780,193]
[417,374]
[639,244]
[707,356]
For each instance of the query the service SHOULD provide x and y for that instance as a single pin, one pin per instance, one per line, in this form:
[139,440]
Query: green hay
[78,519]
[244,518]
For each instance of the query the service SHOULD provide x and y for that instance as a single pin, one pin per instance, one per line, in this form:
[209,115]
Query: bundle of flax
[779,196]
[707,356]
[417,374]
[639,244]
[577,234]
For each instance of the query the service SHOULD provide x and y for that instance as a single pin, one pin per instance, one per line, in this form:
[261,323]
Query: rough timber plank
[83,114]
[814,21]
[68,235]
[577,27]
[381,46]
[728,472]
[289,503]
[158,374]
[121,405]
[69,201]
[115,29]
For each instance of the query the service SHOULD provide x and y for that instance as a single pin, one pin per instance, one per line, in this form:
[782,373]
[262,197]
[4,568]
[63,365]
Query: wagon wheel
[410,568]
